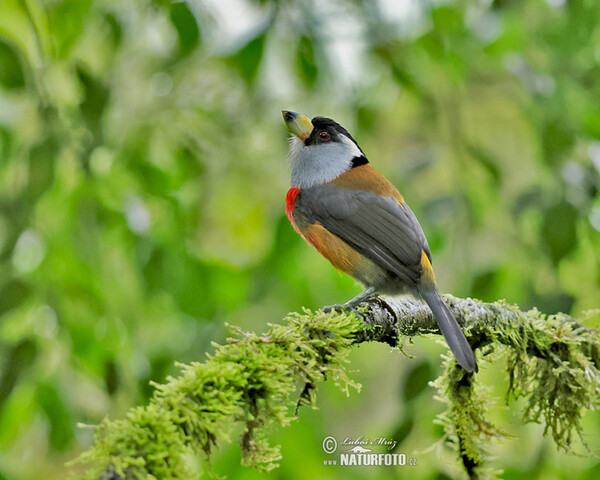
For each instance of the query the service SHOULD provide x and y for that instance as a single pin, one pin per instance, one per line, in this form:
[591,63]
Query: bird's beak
[299,125]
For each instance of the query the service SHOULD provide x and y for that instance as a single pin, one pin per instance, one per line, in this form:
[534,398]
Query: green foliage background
[142,177]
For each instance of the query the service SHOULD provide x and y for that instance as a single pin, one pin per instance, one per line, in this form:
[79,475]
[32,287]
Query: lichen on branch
[552,362]
[251,379]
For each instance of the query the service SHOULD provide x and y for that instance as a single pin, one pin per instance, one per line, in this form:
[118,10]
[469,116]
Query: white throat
[318,164]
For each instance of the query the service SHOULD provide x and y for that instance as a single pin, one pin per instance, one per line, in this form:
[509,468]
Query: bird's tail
[451,330]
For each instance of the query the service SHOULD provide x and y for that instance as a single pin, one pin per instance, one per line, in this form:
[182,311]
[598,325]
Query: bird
[354,217]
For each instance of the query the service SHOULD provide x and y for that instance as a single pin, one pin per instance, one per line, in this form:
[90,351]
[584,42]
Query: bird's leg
[361,297]
[350,304]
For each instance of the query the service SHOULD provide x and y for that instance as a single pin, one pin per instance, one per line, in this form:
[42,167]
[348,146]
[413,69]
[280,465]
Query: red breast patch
[290,199]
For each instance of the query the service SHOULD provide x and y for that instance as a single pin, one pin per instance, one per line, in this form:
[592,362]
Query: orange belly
[342,256]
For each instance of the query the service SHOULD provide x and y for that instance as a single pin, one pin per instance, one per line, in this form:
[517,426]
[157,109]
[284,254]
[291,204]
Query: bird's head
[320,149]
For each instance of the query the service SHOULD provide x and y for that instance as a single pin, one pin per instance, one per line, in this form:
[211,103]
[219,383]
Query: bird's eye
[324,135]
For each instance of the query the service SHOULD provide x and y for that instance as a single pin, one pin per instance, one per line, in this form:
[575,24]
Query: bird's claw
[334,308]
[347,307]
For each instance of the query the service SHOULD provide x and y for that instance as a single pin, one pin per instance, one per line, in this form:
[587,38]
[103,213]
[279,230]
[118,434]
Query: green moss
[552,362]
[554,366]
[468,430]
[251,380]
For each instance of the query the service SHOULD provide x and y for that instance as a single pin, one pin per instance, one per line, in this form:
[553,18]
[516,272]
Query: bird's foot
[355,302]
[345,308]
[335,308]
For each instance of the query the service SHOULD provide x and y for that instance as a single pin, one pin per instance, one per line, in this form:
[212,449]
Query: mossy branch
[553,362]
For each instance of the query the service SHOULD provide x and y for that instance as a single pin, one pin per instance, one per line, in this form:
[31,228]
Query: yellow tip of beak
[299,125]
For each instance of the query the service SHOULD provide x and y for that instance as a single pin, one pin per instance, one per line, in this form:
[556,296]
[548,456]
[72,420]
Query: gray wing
[377,227]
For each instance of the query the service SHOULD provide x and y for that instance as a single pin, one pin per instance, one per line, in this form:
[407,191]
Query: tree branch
[552,362]
[391,318]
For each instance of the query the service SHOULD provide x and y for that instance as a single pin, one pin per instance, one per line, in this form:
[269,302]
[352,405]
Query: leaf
[67,21]
[58,414]
[486,160]
[18,359]
[305,60]
[95,97]
[6,142]
[433,44]
[366,118]
[11,70]
[483,286]
[41,164]
[186,26]
[111,376]
[552,302]
[557,139]
[558,232]
[116,31]
[446,19]
[532,198]
[247,60]
[403,430]
[590,117]
[14,293]
[187,279]
[417,381]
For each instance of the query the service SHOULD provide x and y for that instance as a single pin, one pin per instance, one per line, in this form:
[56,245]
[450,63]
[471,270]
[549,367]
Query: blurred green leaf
[366,118]
[67,22]
[551,302]
[186,25]
[188,280]
[57,413]
[189,164]
[14,293]
[116,31]
[18,359]
[306,61]
[111,376]
[12,75]
[559,233]
[442,476]
[402,431]
[160,366]
[248,58]
[502,4]
[533,198]
[557,139]
[483,286]
[590,117]
[6,142]
[487,160]
[446,18]
[433,44]
[95,97]
[417,380]
[41,165]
